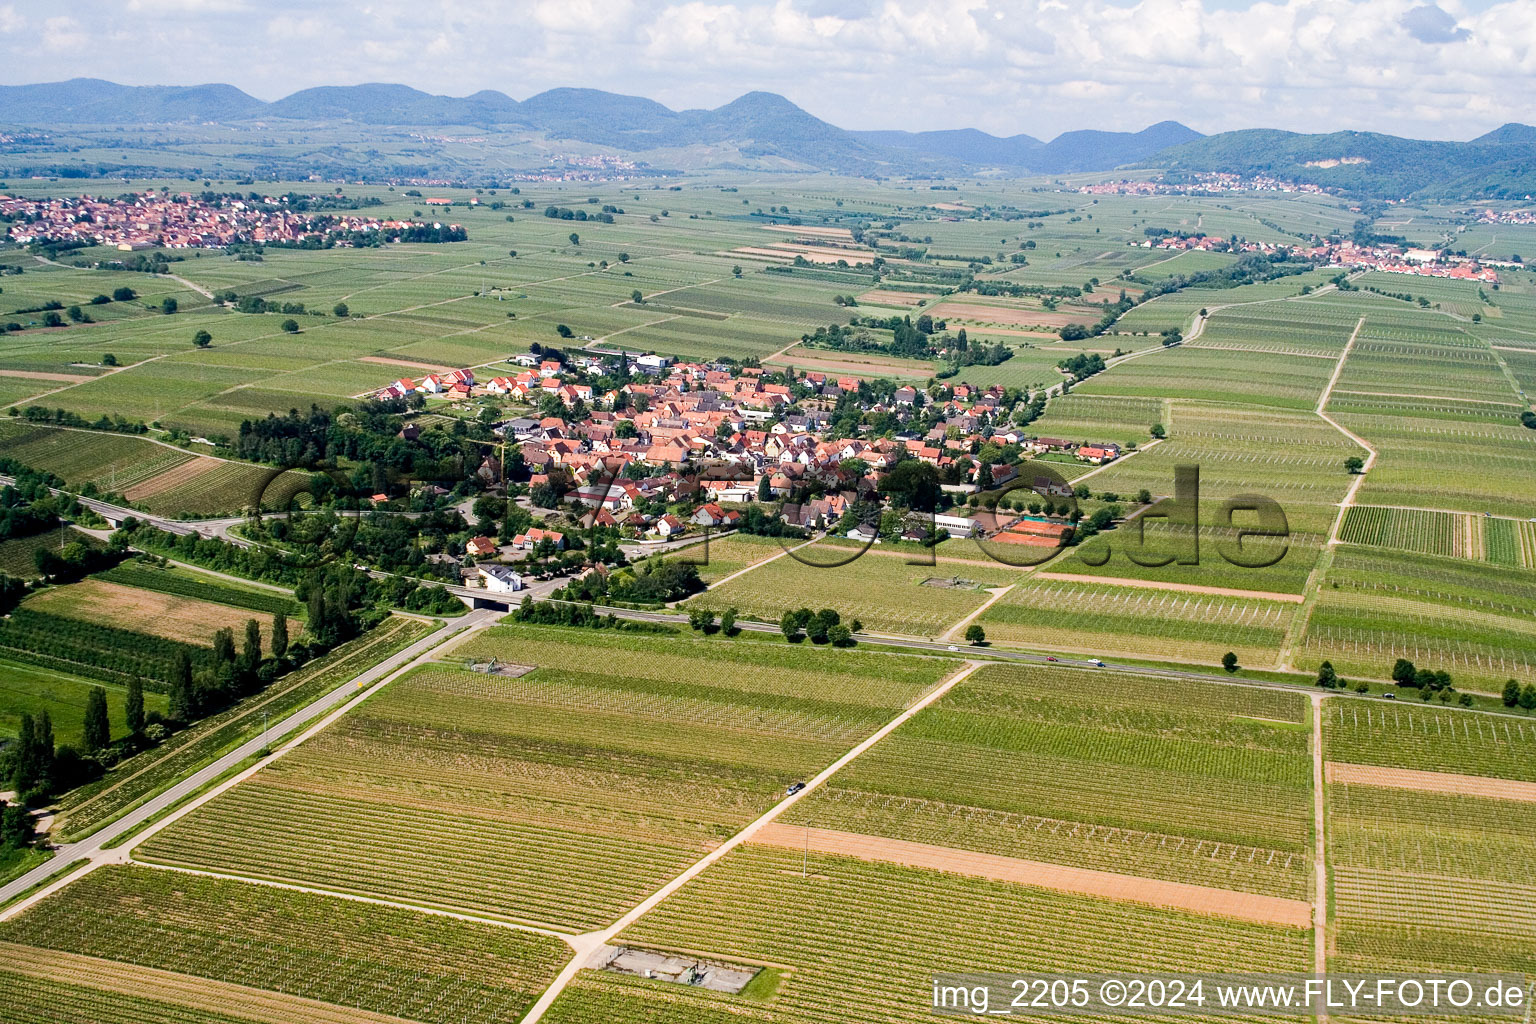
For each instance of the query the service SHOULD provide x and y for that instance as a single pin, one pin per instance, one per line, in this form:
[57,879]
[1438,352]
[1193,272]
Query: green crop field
[560,797]
[1081,417]
[722,556]
[30,689]
[1423,878]
[1470,619]
[1430,739]
[88,807]
[426,968]
[18,556]
[1133,621]
[879,588]
[1186,781]
[856,935]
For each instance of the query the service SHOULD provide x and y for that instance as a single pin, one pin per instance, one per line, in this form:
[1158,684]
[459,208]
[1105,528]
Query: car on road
[794,787]
[1095,662]
[1389,696]
[1051,657]
[953,647]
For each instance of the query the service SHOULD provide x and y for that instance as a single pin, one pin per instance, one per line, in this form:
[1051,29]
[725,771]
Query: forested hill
[1500,164]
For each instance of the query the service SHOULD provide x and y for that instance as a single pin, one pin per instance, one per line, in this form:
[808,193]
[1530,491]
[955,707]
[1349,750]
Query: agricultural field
[18,556]
[111,463]
[1429,738]
[720,557]
[1183,781]
[548,797]
[1443,414]
[1430,876]
[88,807]
[166,614]
[1502,541]
[1471,619]
[179,582]
[161,479]
[426,968]
[1080,417]
[31,689]
[1256,378]
[855,933]
[879,588]
[1138,622]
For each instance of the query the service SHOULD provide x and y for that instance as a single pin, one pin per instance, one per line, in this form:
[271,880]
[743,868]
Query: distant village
[1201,183]
[1391,259]
[184,220]
[1507,216]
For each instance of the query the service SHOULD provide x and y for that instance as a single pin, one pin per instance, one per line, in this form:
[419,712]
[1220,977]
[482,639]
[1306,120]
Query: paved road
[69,854]
[1003,654]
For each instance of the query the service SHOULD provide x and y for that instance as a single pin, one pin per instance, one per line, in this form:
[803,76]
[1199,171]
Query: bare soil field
[408,363]
[850,363]
[882,297]
[172,478]
[838,233]
[1430,782]
[63,378]
[755,252]
[1197,899]
[175,618]
[969,311]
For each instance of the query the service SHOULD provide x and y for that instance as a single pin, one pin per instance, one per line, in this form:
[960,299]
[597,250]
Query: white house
[958,526]
[500,579]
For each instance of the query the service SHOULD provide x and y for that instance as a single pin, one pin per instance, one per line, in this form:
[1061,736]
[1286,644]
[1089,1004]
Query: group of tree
[703,620]
[823,627]
[654,581]
[1329,679]
[1082,366]
[1519,696]
[1429,683]
[116,423]
[581,615]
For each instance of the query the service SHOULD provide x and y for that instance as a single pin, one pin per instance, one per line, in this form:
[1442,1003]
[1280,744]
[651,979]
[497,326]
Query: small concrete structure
[679,970]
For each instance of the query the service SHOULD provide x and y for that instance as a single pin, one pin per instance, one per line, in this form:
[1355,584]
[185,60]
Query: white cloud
[63,35]
[185,7]
[1450,68]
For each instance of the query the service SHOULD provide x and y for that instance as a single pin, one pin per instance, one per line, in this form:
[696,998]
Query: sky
[1449,69]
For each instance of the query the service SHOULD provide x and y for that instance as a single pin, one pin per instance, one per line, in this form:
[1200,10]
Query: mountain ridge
[768,131]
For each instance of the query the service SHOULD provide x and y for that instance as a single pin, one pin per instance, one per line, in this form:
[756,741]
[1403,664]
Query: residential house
[480,547]
[500,579]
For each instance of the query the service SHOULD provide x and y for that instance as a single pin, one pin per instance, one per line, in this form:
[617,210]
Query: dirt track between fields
[1430,782]
[1197,899]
